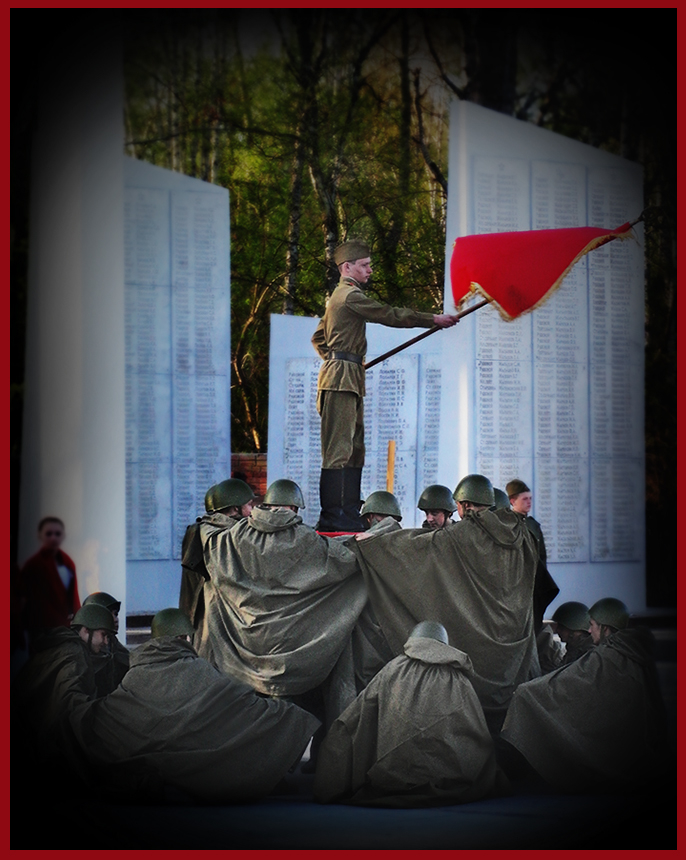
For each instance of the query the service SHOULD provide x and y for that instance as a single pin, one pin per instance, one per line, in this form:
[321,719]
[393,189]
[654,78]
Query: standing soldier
[521,501]
[545,589]
[341,342]
[226,504]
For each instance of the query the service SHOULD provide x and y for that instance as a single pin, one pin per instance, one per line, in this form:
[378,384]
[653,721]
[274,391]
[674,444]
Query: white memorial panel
[146,236]
[177,369]
[577,359]
[428,421]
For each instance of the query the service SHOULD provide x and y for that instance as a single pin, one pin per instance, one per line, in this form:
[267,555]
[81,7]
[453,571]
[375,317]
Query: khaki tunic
[416,736]
[342,329]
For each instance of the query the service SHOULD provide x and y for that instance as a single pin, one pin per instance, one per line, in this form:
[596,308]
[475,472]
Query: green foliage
[313,139]
[328,124]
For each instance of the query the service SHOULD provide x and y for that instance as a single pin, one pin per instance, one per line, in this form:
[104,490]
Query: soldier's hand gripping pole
[424,334]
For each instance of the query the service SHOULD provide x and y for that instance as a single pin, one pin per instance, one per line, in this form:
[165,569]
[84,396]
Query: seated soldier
[110,665]
[379,506]
[438,505]
[416,736]
[571,622]
[597,724]
[178,723]
[59,676]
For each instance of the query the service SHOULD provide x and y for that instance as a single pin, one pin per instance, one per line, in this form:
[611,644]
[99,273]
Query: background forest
[332,123]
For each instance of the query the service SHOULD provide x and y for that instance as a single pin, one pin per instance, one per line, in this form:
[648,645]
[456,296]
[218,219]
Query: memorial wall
[557,395]
[554,397]
[178,353]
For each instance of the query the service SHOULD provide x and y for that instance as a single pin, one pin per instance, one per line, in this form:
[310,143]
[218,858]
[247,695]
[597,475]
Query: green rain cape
[416,736]
[283,603]
[598,723]
[476,578]
[201,731]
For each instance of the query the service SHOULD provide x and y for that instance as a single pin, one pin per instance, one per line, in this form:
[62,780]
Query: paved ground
[529,819]
[532,818]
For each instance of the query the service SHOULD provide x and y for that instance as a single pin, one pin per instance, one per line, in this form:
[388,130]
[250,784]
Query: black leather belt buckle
[346,356]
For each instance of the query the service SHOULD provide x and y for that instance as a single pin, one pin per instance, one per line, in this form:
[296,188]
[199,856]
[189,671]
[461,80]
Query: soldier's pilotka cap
[349,251]
[514,488]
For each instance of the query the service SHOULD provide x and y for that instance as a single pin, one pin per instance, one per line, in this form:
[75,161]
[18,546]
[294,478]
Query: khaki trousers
[342,429]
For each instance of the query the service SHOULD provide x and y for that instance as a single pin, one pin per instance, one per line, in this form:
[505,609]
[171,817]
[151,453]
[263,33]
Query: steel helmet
[171,622]
[475,488]
[436,497]
[94,617]
[227,494]
[382,502]
[573,615]
[284,492]
[611,612]
[430,630]
[102,598]
[502,500]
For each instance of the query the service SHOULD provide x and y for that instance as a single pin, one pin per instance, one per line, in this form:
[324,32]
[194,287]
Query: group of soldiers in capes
[416,664]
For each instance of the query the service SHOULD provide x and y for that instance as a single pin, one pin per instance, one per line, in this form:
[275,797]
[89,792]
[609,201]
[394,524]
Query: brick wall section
[254,469]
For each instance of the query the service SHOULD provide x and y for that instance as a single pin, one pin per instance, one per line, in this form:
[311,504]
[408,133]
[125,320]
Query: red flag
[518,271]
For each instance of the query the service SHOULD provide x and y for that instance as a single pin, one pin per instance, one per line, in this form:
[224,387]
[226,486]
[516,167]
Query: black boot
[332,497]
[352,481]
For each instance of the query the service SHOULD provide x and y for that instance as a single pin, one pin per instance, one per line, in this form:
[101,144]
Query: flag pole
[421,336]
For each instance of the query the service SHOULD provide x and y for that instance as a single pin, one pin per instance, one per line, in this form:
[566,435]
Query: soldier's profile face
[100,641]
[521,503]
[361,270]
[596,631]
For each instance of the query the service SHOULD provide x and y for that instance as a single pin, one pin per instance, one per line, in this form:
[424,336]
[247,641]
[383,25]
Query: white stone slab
[556,397]
[178,406]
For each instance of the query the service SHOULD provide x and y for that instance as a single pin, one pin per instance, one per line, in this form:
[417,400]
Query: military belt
[346,356]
